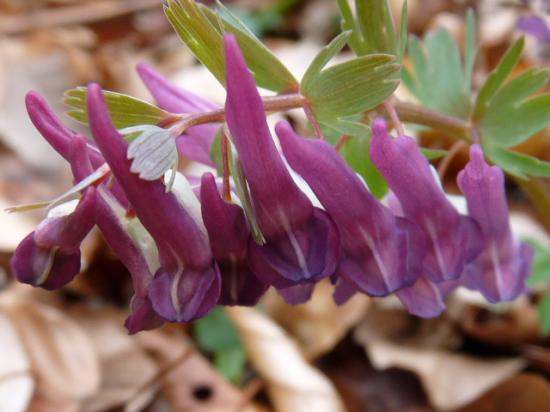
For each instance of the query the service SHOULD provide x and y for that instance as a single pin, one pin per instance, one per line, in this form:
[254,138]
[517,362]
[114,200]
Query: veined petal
[423,299]
[188,283]
[50,256]
[279,204]
[452,240]
[229,236]
[381,253]
[500,271]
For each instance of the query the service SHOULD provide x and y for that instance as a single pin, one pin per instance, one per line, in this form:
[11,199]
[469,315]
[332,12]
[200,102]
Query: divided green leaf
[352,87]
[438,78]
[517,164]
[202,30]
[373,29]
[126,111]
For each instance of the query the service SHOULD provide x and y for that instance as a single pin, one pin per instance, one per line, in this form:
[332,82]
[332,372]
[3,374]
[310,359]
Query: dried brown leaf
[188,381]
[293,384]
[16,381]
[61,354]
[319,324]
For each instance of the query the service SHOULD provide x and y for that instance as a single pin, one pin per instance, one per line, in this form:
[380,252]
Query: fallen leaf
[319,324]
[16,381]
[525,392]
[61,354]
[187,381]
[292,383]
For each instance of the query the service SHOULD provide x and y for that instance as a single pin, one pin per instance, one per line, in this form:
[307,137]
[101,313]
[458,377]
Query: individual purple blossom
[187,285]
[536,26]
[49,257]
[501,270]
[452,240]
[122,233]
[229,237]
[381,253]
[301,241]
[196,142]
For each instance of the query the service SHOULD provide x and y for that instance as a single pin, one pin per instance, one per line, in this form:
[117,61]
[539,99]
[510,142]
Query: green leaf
[268,70]
[216,152]
[322,59]
[215,333]
[243,192]
[433,154]
[352,87]
[438,78]
[231,362]
[126,111]
[541,265]
[517,164]
[356,152]
[356,40]
[403,31]
[198,33]
[544,314]
[348,126]
[201,29]
[470,49]
[513,116]
[375,21]
[498,77]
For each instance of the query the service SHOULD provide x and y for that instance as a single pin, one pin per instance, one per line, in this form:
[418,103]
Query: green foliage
[373,29]
[544,314]
[541,278]
[514,115]
[202,30]
[517,164]
[216,334]
[509,112]
[438,78]
[541,265]
[126,111]
[351,87]
[356,152]
[497,77]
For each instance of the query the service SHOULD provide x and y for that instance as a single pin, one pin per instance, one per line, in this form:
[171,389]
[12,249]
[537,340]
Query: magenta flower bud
[501,270]
[229,236]
[301,241]
[50,256]
[381,253]
[187,285]
[452,240]
[55,132]
[196,143]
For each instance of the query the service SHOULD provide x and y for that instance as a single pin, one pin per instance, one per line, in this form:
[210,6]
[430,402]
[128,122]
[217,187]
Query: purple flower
[381,253]
[424,298]
[452,240]
[49,257]
[196,143]
[536,26]
[301,241]
[229,236]
[187,285]
[500,271]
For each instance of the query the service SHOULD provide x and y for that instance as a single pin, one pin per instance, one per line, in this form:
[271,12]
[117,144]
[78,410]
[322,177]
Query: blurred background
[69,351]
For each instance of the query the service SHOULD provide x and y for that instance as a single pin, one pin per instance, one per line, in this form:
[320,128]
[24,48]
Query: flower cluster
[189,248]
